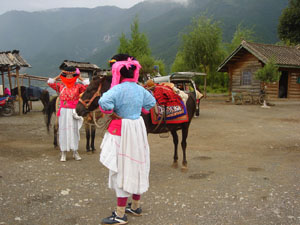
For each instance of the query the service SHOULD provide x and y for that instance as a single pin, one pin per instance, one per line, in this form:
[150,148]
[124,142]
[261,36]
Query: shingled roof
[12,60]
[80,65]
[284,56]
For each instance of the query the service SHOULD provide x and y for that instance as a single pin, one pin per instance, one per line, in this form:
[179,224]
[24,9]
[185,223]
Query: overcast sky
[36,5]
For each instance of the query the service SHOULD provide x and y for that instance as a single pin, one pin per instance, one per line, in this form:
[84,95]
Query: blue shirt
[127,100]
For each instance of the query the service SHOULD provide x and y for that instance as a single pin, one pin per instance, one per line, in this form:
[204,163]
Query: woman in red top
[69,122]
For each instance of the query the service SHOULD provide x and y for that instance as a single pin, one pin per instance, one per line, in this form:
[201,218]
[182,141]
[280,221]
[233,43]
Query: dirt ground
[243,169]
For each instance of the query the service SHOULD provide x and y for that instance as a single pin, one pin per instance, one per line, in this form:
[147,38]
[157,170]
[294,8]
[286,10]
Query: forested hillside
[47,38]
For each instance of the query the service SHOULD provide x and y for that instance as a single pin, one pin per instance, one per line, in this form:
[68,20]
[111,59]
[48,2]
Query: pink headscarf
[7,91]
[117,66]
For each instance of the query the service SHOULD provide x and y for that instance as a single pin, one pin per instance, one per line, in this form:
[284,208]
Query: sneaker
[114,219]
[63,157]
[136,212]
[76,156]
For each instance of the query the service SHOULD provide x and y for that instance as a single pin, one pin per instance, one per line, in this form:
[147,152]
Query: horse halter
[86,103]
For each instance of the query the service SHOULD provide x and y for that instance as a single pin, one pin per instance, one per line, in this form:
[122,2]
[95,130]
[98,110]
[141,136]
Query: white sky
[37,5]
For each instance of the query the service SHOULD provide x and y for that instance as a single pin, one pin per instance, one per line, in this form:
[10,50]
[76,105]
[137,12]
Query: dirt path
[243,169]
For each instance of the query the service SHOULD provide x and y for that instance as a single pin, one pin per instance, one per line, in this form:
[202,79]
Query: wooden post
[30,102]
[205,86]
[3,81]
[230,83]
[19,91]
[15,82]
[9,79]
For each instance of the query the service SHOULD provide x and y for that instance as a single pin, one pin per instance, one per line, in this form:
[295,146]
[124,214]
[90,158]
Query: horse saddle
[169,107]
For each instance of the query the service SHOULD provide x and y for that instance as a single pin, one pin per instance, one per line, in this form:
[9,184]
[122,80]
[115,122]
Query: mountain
[46,38]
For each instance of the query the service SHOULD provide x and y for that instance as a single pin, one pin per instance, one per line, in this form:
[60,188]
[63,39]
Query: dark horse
[90,128]
[32,94]
[103,84]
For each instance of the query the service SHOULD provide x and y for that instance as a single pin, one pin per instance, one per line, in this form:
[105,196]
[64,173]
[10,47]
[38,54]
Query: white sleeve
[86,82]
[51,81]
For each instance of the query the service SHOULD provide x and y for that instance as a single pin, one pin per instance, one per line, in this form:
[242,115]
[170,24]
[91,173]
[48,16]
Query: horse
[15,92]
[99,85]
[90,128]
[32,94]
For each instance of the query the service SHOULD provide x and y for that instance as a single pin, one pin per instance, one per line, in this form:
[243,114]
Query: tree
[124,45]
[179,64]
[240,34]
[138,47]
[201,50]
[289,23]
[268,74]
[161,67]
[147,62]
[139,44]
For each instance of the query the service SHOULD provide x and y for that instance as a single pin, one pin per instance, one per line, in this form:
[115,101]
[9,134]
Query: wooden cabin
[249,57]
[87,70]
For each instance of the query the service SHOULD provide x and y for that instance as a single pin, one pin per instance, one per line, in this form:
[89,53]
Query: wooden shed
[249,57]
[87,70]
[11,61]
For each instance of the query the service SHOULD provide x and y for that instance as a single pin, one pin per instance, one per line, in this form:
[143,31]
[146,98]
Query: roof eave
[228,59]
[288,66]
[243,45]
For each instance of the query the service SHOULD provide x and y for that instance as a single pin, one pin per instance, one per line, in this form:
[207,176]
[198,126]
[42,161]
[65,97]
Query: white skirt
[69,125]
[128,158]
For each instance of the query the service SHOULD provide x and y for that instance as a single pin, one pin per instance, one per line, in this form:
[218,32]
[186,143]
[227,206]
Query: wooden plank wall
[272,90]
[294,87]
[247,62]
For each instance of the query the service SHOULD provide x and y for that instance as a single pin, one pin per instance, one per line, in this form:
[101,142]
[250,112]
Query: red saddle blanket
[165,96]
[169,104]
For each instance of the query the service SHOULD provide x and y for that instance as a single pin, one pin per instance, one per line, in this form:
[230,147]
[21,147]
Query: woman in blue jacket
[125,148]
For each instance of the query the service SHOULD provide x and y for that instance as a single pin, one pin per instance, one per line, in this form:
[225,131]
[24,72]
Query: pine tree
[289,23]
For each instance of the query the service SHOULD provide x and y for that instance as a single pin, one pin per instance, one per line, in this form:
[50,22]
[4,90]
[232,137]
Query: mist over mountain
[46,38]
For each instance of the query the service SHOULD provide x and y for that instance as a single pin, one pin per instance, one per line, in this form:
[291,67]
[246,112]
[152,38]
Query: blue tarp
[33,93]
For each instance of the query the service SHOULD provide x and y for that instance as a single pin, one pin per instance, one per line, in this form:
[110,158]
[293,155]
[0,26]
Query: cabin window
[298,80]
[246,77]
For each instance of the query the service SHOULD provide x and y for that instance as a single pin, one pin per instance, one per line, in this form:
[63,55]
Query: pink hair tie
[117,66]
[77,71]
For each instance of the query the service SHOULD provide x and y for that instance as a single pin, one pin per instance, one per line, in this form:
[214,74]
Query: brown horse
[100,85]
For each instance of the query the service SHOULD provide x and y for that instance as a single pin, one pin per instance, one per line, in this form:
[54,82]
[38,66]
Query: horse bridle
[86,103]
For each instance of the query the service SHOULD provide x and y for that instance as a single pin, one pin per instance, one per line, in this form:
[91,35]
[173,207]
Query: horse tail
[45,98]
[191,105]
[50,108]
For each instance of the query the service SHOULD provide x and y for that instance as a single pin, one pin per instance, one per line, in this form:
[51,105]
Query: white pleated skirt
[127,158]
[69,126]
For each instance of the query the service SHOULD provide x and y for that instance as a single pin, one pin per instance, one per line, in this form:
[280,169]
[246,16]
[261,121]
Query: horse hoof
[175,165]
[184,169]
